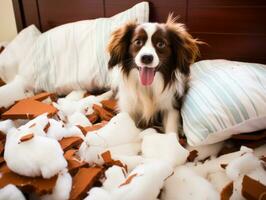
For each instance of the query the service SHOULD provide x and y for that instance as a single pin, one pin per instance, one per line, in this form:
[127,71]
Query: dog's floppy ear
[184,46]
[119,43]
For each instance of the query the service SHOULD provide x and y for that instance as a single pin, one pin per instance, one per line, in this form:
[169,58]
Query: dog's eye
[160,45]
[138,42]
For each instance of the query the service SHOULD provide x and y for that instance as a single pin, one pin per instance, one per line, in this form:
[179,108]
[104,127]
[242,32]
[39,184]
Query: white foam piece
[58,131]
[205,151]
[39,156]
[147,184]
[11,192]
[186,184]
[6,125]
[164,147]
[219,180]
[130,161]
[214,165]
[76,95]
[78,118]
[119,135]
[242,165]
[62,187]
[114,177]
[98,194]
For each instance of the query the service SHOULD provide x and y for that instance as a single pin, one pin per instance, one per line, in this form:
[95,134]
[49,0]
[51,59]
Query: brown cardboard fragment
[110,105]
[42,96]
[83,181]
[103,114]
[70,142]
[28,109]
[192,155]
[109,162]
[46,128]
[227,191]
[2,82]
[26,137]
[2,48]
[253,189]
[128,180]
[38,185]
[94,127]
[223,166]
[73,160]
[1,147]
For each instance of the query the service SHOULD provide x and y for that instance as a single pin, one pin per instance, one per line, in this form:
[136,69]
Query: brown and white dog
[153,62]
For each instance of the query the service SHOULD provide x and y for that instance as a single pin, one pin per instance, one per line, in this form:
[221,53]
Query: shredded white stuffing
[11,192]
[186,184]
[6,125]
[39,156]
[62,188]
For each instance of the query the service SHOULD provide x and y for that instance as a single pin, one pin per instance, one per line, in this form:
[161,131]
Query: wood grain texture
[233,29]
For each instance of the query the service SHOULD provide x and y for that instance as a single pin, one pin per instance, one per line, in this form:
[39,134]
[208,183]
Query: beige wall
[8,29]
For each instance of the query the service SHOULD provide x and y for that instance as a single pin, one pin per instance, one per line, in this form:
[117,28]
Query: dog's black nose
[147,59]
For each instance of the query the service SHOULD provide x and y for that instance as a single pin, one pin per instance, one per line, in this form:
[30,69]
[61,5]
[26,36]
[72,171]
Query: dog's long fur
[173,50]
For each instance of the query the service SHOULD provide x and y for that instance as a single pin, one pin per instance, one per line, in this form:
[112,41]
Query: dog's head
[152,48]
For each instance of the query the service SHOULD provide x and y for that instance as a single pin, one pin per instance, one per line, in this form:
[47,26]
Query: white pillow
[15,51]
[225,98]
[74,55]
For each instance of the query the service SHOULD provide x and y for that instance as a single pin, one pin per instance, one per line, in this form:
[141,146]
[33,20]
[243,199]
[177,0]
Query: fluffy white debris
[219,180]
[114,177]
[147,182]
[78,119]
[214,165]
[39,156]
[13,91]
[68,106]
[130,161]
[97,193]
[57,130]
[130,149]
[121,130]
[164,147]
[76,95]
[6,125]
[11,192]
[62,188]
[242,165]
[206,151]
[186,184]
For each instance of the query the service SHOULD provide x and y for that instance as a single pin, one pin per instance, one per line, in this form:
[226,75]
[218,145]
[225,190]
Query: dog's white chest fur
[143,102]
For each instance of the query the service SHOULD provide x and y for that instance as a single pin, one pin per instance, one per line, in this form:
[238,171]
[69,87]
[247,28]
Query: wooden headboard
[233,29]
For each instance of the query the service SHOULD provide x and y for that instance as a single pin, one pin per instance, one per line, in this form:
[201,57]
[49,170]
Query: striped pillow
[225,98]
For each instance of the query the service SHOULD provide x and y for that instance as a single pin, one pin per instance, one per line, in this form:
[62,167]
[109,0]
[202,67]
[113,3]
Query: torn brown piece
[2,48]
[70,142]
[1,147]
[94,127]
[46,128]
[42,96]
[102,113]
[109,162]
[73,161]
[83,181]
[183,141]
[28,109]
[128,180]
[227,191]
[223,166]
[38,185]
[93,118]
[110,105]
[192,155]
[253,189]
[26,137]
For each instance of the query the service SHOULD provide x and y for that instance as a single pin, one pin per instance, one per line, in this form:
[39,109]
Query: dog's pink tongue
[146,75]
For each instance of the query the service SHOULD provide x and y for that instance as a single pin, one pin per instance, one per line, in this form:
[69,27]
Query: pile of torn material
[78,147]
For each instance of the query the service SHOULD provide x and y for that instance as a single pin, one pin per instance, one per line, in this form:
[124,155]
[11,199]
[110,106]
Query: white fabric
[15,51]
[225,98]
[74,56]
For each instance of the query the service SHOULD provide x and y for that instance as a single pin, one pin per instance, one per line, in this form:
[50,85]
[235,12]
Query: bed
[233,30]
